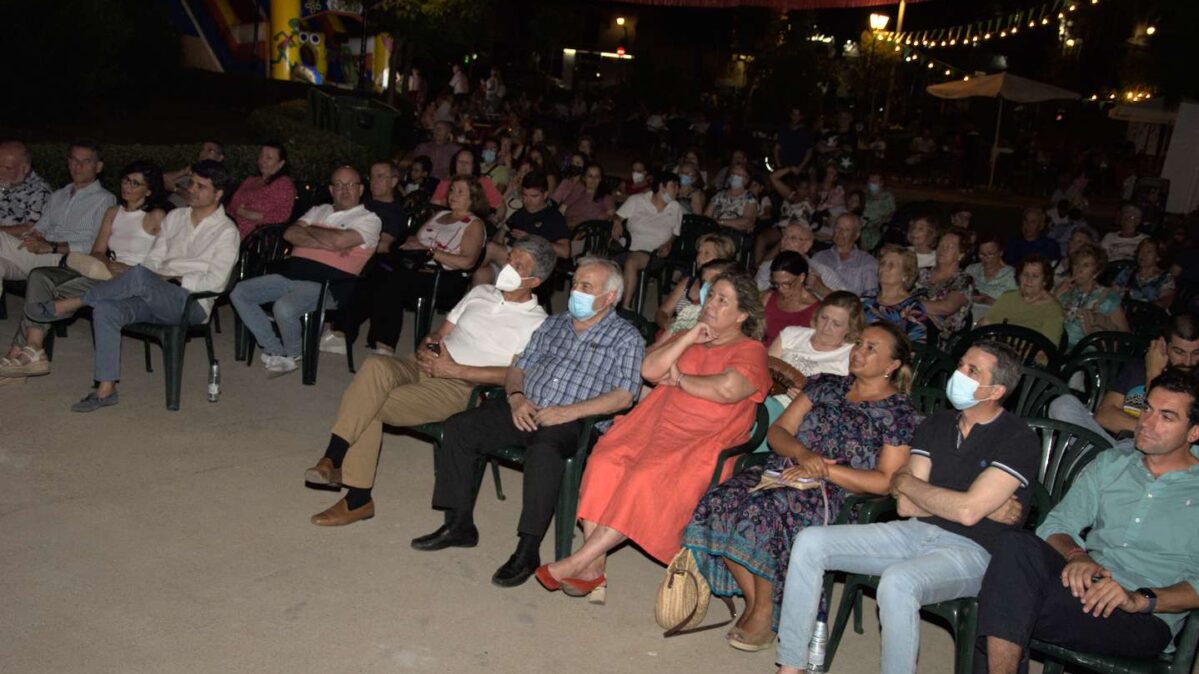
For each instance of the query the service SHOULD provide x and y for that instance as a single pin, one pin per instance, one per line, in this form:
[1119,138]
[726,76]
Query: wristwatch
[1150,595]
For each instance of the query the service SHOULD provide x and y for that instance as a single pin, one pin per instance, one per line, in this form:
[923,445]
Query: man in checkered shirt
[23,193]
[578,364]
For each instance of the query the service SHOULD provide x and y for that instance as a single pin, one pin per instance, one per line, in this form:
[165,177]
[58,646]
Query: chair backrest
[927,399]
[1065,450]
[694,226]
[1034,348]
[1145,318]
[1037,388]
[1112,342]
[262,247]
[647,328]
[931,367]
[1097,370]
[1113,269]
[596,236]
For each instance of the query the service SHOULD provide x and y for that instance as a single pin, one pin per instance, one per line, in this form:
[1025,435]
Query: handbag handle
[678,629]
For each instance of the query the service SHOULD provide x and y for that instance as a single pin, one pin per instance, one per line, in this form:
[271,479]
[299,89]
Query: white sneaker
[266,358]
[281,365]
[384,351]
[332,343]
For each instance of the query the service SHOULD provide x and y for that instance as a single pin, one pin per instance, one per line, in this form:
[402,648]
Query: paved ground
[140,540]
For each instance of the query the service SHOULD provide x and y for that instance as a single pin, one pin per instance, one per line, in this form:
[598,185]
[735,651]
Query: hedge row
[312,153]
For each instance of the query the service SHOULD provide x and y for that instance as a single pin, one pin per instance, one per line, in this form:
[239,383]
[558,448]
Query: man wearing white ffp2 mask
[474,345]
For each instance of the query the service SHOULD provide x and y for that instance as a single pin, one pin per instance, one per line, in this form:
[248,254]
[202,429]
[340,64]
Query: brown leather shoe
[323,473]
[340,514]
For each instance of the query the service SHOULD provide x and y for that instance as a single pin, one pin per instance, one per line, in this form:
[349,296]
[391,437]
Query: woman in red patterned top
[265,199]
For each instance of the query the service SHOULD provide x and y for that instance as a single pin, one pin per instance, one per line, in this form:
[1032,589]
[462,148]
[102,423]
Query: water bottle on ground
[816,650]
[214,381]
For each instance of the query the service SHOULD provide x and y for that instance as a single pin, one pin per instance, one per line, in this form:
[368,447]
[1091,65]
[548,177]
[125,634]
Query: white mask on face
[638,176]
[508,279]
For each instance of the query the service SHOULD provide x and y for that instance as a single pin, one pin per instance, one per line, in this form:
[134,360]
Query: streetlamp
[878,23]
[620,21]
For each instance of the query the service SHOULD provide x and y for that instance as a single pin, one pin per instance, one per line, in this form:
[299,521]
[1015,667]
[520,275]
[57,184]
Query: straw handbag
[683,598]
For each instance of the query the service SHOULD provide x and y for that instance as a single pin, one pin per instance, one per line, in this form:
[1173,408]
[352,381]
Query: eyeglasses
[344,186]
[131,182]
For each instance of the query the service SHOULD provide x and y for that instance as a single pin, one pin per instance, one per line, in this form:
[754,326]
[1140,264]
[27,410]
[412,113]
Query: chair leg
[495,475]
[173,342]
[642,281]
[849,593]
[60,329]
[568,507]
[239,347]
[349,355]
[965,634]
[208,344]
[149,365]
[216,318]
[3,305]
[48,344]
[857,614]
[310,347]
[418,314]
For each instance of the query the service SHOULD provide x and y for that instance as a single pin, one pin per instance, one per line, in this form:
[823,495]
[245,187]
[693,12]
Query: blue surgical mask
[488,156]
[581,305]
[960,390]
[874,188]
[685,181]
[736,182]
[703,293]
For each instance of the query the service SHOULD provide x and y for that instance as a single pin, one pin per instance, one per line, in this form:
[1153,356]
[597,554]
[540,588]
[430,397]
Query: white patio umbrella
[1003,86]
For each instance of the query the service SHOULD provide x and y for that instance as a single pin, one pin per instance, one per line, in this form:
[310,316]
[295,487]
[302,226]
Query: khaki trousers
[396,392]
[16,262]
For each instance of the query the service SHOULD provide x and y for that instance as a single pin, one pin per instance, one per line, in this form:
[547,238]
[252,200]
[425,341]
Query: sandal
[29,362]
[752,643]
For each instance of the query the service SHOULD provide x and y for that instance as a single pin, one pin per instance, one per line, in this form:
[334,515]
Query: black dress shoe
[448,537]
[515,571]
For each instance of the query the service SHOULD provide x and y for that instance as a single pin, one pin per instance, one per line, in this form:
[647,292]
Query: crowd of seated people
[804,270]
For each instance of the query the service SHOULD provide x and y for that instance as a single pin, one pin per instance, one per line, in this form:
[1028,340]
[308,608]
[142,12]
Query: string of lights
[1000,27]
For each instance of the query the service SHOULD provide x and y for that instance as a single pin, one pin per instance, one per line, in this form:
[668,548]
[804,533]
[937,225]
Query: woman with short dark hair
[1032,304]
[267,198]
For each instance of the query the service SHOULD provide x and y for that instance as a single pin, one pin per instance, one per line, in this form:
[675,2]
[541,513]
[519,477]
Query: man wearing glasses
[331,242]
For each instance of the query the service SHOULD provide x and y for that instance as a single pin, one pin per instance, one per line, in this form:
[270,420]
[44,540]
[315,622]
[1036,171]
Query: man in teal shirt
[1125,589]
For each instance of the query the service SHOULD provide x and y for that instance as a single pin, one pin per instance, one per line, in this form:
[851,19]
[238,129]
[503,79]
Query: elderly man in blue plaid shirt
[583,363]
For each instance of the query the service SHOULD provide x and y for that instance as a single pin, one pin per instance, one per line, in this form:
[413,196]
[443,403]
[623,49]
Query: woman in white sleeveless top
[127,232]
[452,238]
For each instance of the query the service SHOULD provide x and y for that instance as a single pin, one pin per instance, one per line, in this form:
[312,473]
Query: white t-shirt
[1120,248]
[488,330]
[798,352]
[648,228]
[460,83]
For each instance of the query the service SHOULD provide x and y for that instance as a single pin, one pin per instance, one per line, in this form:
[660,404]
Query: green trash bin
[367,123]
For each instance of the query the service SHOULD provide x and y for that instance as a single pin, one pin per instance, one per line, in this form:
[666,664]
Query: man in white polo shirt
[653,220]
[332,242]
[475,345]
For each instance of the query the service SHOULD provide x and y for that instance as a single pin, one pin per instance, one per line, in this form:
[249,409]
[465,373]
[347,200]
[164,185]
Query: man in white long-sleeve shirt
[195,252]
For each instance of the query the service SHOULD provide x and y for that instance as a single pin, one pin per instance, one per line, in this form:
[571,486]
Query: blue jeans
[138,295]
[1070,409]
[292,299]
[918,563]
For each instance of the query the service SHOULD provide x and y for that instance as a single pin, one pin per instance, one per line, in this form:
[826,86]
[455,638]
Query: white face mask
[736,182]
[638,176]
[508,279]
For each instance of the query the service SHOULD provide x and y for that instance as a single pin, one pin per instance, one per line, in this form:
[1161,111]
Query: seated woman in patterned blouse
[894,301]
[1148,281]
[851,433]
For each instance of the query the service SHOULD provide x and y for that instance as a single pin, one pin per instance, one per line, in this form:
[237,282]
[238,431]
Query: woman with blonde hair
[894,301]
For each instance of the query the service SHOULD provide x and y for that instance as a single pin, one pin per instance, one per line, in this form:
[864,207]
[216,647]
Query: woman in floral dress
[945,290]
[853,432]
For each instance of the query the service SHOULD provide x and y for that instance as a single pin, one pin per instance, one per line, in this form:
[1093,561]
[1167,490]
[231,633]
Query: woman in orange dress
[646,475]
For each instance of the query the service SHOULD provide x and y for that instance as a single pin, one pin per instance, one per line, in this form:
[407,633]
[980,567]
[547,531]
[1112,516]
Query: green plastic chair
[1178,662]
[1037,388]
[1097,370]
[1034,348]
[927,399]
[931,367]
[1112,342]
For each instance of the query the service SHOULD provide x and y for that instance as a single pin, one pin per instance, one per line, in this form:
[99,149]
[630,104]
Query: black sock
[461,519]
[528,546]
[356,498]
[336,451]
